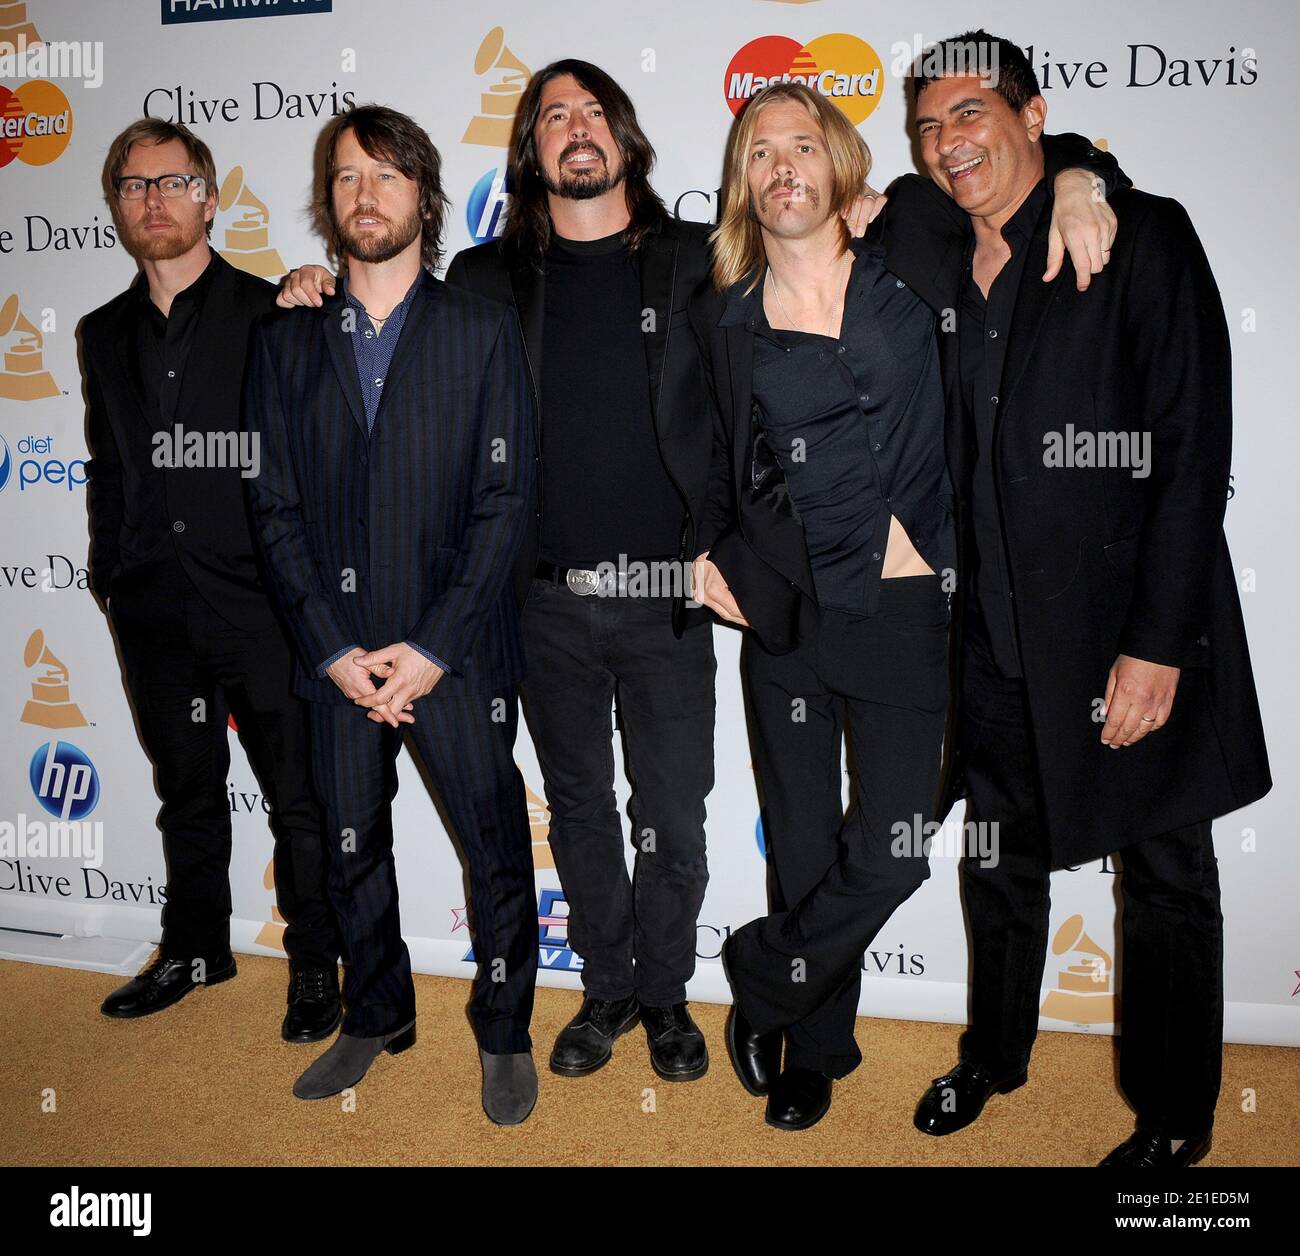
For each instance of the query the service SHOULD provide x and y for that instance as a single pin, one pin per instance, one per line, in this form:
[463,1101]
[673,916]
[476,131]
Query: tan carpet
[208,1082]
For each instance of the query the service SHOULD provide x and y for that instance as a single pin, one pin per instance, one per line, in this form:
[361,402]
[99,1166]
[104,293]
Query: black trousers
[587,655]
[186,667]
[467,747]
[837,877]
[1171,1044]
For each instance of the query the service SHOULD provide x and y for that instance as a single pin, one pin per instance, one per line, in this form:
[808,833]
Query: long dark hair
[528,224]
[387,135]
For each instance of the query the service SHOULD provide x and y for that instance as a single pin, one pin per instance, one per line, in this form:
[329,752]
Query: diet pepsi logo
[64,780]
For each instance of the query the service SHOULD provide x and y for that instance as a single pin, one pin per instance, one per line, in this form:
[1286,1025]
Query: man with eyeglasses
[173,565]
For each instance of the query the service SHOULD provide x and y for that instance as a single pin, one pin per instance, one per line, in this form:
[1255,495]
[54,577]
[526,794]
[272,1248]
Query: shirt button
[898,283]
[993,334]
[841,348]
[875,557]
[370,335]
[379,383]
[178,526]
[994,400]
[876,447]
[863,397]
[171,374]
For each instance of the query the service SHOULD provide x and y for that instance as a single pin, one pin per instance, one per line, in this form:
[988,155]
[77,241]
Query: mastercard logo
[844,68]
[35,123]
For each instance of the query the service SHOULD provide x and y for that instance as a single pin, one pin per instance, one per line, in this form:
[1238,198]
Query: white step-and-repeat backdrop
[1195,100]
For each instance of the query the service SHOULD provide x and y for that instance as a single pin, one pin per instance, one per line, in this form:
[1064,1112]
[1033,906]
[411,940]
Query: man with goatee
[397,464]
[173,565]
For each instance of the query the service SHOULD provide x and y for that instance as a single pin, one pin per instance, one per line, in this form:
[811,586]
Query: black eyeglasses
[134,187]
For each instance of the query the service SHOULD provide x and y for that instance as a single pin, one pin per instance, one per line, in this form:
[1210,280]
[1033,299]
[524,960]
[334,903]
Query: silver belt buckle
[582,582]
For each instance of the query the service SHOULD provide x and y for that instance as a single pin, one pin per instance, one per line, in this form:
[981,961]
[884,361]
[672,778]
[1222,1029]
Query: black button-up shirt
[983,332]
[164,342]
[856,425]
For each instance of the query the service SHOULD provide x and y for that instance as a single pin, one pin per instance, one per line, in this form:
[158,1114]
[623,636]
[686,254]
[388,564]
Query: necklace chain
[776,291]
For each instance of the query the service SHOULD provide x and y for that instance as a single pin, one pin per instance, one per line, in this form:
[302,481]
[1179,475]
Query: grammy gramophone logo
[539,825]
[24,377]
[1085,993]
[492,124]
[51,705]
[271,934]
[248,244]
[15,22]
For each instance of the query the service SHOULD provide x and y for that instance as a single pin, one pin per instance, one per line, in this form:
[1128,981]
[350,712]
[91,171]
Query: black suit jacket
[1102,562]
[674,259]
[215,546]
[407,533]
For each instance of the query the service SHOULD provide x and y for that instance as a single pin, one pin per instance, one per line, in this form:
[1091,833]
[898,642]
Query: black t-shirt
[605,491]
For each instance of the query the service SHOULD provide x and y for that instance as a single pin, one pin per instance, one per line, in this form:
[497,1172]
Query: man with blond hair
[830,537]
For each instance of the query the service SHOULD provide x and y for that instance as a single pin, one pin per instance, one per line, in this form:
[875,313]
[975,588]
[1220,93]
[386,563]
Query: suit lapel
[338,344]
[127,352]
[222,353]
[1033,298]
[740,366]
[529,287]
[658,272]
[406,353]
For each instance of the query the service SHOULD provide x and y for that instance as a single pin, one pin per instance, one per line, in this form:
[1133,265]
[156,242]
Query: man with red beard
[396,427]
[173,565]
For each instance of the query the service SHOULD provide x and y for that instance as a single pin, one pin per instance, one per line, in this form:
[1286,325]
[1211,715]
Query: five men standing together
[455,479]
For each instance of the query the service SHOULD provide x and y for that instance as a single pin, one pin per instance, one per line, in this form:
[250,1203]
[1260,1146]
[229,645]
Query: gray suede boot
[346,1062]
[509,1086]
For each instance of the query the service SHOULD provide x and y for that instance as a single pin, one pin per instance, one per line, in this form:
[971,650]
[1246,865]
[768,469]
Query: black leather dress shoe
[957,1098]
[755,1057]
[1150,1149]
[678,1052]
[315,1008]
[587,1041]
[799,1098]
[164,982]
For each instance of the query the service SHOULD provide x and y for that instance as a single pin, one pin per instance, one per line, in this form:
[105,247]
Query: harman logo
[492,125]
[35,123]
[485,210]
[64,780]
[844,68]
[6,463]
[23,376]
[177,11]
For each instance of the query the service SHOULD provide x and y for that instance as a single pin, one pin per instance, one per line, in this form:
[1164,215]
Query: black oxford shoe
[755,1057]
[957,1098]
[164,982]
[799,1098]
[587,1041]
[1150,1149]
[315,1008]
[678,1052]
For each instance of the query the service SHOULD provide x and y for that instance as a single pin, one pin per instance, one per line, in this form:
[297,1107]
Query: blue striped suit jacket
[407,533]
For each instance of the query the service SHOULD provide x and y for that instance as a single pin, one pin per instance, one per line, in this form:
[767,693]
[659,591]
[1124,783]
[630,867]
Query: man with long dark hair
[397,432]
[600,274]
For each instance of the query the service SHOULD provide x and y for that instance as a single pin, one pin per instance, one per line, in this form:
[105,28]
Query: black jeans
[1171,1046]
[587,655]
[177,651]
[838,878]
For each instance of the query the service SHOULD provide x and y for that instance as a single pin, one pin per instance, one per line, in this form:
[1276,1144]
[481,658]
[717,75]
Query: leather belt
[585,581]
